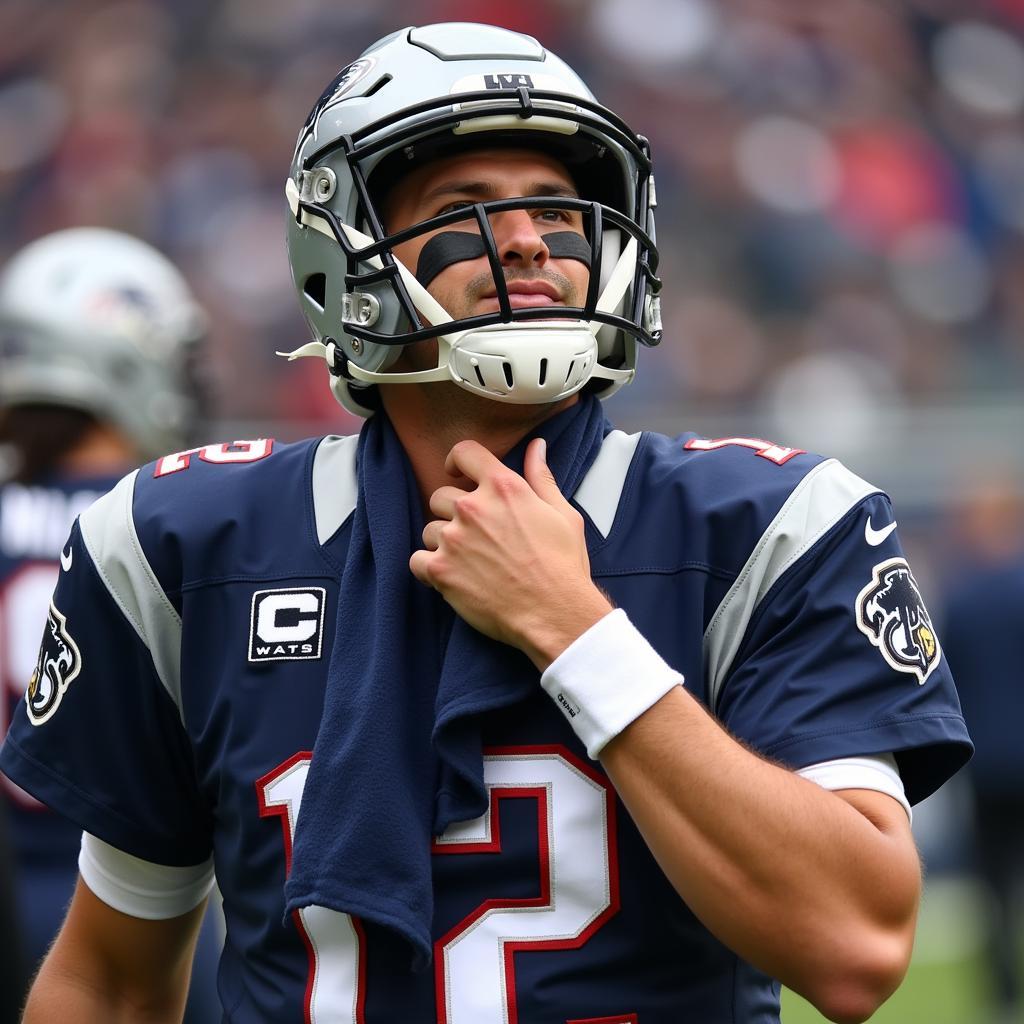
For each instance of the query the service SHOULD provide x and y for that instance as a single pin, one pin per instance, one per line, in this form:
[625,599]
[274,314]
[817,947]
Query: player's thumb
[538,474]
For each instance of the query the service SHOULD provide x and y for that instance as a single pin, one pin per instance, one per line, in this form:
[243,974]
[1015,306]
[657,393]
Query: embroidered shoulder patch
[892,615]
[58,665]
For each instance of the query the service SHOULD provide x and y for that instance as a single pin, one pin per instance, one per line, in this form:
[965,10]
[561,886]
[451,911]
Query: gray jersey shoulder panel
[335,484]
[816,504]
[108,531]
[600,490]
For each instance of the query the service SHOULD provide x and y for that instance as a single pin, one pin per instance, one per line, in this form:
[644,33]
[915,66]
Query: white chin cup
[524,365]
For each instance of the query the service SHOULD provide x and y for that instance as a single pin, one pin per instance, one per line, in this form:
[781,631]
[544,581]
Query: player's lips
[522,294]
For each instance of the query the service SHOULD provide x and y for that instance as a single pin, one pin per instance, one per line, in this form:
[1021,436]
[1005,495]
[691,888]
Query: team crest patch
[287,624]
[892,615]
[58,665]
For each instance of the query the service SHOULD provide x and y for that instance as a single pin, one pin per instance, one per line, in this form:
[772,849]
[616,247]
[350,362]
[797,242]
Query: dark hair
[40,435]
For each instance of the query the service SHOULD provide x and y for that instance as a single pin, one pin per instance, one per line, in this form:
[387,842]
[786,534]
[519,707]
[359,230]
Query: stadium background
[841,224]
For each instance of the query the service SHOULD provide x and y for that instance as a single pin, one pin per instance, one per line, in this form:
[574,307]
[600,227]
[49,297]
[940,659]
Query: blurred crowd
[841,184]
[841,210]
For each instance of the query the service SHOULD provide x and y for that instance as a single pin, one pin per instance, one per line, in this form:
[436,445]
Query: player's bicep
[886,813]
[137,969]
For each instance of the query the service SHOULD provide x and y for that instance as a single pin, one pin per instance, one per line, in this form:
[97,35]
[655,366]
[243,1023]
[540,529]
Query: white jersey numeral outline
[474,961]
[777,453]
[335,943]
[221,454]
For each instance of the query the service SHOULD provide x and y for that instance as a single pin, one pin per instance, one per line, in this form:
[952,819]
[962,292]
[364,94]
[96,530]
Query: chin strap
[335,359]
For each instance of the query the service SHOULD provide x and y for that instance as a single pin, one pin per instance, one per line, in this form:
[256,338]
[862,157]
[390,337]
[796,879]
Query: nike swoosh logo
[65,559]
[875,537]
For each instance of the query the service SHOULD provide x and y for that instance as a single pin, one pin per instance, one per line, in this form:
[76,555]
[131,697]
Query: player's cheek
[580,277]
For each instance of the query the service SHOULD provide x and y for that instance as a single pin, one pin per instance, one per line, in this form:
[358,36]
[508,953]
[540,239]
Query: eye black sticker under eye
[450,247]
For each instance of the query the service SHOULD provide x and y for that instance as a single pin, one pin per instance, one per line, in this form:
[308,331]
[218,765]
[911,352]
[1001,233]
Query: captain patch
[892,615]
[287,624]
[58,665]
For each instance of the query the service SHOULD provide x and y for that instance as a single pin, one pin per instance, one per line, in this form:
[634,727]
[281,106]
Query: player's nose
[518,240]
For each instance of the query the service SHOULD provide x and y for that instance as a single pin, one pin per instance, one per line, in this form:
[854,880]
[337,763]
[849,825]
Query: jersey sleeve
[140,888]
[840,658]
[99,737]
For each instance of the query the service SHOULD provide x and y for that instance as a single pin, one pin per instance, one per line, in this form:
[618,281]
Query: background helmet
[422,93]
[96,320]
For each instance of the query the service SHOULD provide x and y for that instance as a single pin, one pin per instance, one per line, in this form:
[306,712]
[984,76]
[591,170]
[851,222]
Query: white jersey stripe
[335,485]
[336,488]
[600,490]
[108,530]
[817,503]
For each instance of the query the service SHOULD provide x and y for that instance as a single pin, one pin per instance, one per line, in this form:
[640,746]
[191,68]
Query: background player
[99,335]
[984,635]
[769,579]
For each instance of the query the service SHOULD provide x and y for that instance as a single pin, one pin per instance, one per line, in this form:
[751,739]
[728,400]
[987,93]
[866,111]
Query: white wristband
[606,678]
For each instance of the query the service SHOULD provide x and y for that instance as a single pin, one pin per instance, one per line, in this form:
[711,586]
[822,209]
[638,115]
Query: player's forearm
[790,876]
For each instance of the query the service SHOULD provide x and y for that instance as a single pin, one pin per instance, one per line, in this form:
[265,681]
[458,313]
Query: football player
[492,712]
[98,335]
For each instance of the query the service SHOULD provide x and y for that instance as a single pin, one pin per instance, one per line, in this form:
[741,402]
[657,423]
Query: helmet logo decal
[126,311]
[497,81]
[513,81]
[334,93]
[892,615]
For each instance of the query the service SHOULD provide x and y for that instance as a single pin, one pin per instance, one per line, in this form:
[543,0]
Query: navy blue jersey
[34,524]
[180,684]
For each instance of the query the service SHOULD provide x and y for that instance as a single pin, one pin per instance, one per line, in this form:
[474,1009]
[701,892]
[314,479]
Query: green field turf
[946,983]
[931,994]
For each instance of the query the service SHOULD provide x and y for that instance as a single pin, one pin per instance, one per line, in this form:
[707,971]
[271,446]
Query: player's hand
[509,555]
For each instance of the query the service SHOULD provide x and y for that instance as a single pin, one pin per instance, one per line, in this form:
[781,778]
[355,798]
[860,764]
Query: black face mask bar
[595,216]
[517,102]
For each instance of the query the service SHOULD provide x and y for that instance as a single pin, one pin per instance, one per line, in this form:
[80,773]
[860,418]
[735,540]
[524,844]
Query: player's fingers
[419,564]
[432,534]
[539,476]
[472,460]
[443,500]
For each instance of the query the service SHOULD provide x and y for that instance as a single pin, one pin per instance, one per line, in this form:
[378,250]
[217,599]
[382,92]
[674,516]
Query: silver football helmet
[423,93]
[100,321]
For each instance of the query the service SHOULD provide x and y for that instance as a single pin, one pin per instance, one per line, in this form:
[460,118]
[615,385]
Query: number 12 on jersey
[474,961]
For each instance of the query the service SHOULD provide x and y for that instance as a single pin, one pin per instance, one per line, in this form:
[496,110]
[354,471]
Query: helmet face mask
[363,304]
